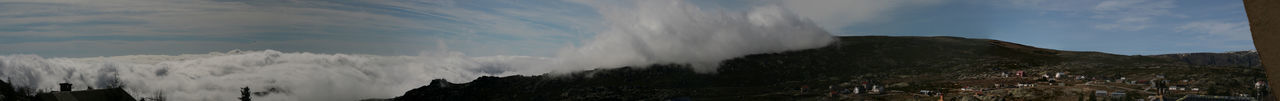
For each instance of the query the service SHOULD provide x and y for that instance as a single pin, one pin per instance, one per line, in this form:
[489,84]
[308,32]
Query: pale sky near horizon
[90,28]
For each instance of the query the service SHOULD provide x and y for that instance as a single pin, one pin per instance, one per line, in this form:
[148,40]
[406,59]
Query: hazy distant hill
[1239,58]
[914,63]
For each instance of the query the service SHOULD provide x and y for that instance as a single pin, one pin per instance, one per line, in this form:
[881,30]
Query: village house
[66,94]
[855,90]
[1026,85]
[875,89]
[1259,85]
[1058,75]
[1019,73]
[1100,93]
[926,92]
[1117,94]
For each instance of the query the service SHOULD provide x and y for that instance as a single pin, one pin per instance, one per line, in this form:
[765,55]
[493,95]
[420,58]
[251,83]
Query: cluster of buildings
[1158,83]
[865,87]
[65,93]
[1104,93]
[1106,87]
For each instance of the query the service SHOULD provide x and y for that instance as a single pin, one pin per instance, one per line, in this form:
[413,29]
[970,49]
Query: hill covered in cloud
[678,32]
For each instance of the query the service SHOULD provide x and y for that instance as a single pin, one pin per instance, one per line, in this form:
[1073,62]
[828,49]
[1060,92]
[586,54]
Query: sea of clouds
[218,76]
[641,33]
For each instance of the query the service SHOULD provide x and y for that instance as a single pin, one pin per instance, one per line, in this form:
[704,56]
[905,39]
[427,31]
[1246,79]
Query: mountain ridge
[914,63]
[1236,58]
[923,63]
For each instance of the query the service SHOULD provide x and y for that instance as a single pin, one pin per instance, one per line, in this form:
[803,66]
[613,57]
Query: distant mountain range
[908,63]
[1239,58]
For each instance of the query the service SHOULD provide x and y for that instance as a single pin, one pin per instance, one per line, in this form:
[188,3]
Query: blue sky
[88,28]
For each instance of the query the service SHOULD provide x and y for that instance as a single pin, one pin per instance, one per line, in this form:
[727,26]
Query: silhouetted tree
[244,94]
[114,82]
[9,92]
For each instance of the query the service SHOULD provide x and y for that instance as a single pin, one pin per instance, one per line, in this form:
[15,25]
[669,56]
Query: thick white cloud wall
[668,31]
[218,76]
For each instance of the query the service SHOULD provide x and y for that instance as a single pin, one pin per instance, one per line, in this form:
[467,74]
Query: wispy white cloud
[834,15]
[160,47]
[1121,15]
[1131,15]
[265,21]
[1218,30]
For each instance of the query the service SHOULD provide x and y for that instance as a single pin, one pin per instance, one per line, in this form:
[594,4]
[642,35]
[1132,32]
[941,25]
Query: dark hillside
[906,63]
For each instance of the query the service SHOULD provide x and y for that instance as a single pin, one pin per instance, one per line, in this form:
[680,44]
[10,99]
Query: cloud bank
[639,34]
[666,31]
[217,76]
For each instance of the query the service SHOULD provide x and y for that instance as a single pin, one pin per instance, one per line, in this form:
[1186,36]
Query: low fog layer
[648,32]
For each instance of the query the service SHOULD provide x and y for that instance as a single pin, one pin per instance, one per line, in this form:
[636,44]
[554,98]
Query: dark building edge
[1263,20]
